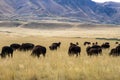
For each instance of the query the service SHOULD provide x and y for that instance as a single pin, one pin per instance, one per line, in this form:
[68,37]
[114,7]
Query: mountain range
[81,10]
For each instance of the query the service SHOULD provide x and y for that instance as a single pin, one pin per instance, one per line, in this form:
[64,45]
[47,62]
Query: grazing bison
[15,46]
[105,45]
[116,42]
[94,50]
[26,47]
[38,50]
[74,49]
[115,51]
[6,50]
[87,43]
[54,46]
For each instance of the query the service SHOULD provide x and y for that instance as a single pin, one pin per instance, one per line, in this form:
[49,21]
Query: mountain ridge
[87,10]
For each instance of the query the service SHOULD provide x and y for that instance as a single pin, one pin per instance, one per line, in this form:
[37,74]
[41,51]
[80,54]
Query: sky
[106,0]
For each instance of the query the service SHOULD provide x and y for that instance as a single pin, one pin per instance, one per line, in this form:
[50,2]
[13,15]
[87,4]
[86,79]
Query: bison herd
[74,49]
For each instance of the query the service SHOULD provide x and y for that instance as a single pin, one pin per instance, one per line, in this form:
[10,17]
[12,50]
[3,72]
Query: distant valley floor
[58,29]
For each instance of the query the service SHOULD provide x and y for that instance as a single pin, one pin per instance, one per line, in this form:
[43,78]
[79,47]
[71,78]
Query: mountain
[115,18]
[81,10]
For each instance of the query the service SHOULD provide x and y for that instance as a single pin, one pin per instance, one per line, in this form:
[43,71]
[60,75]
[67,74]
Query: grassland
[57,65]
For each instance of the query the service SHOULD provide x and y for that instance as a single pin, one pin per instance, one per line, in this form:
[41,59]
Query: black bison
[77,43]
[87,43]
[54,46]
[94,50]
[105,45]
[74,49]
[6,50]
[15,46]
[26,46]
[38,50]
[116,42]
[115,51]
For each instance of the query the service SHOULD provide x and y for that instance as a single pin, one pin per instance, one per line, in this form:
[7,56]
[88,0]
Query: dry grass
[57,65]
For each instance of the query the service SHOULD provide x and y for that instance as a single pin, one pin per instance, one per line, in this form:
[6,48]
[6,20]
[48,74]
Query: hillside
[81,10]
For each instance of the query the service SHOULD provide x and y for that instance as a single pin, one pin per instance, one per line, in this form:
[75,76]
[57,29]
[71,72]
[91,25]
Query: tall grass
[57,65]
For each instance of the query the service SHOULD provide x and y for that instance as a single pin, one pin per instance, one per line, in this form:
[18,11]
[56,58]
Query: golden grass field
[57,65]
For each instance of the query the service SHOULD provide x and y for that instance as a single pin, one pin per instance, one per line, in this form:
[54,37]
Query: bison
[6,50]
[116,42]
[15,46]
[87,43]
[115,51]
[38,50]
[105,45]
[26,46]
[94,50]
[54,46]
[74,49]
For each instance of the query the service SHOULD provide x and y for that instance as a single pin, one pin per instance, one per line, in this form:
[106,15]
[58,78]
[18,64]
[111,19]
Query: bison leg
[76,54]
[32,54]
[43,55]
[8,54]
[11,55]
[69,54]
[38,55]
[3,56]
[79,53]
[89,54]
[56,48]
[96,54]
